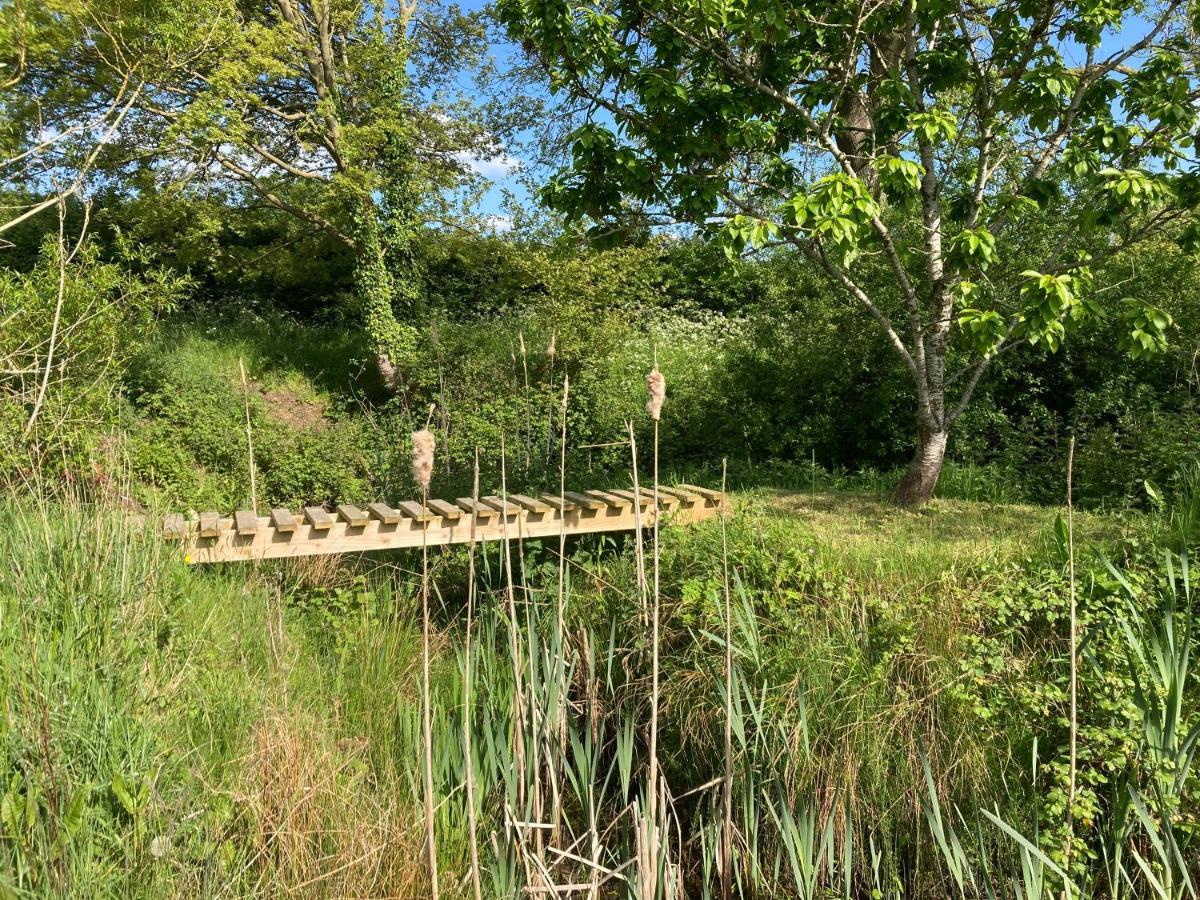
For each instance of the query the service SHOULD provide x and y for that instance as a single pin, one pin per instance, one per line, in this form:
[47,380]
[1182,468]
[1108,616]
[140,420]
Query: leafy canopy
[929,134]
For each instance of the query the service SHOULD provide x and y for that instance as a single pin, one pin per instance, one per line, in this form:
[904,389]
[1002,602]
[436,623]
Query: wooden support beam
[382,527]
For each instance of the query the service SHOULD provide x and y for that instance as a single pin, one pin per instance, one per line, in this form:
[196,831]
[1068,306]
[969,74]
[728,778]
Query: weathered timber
[245,536]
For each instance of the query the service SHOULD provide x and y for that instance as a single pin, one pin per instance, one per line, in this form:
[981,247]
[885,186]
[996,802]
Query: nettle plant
[963,172]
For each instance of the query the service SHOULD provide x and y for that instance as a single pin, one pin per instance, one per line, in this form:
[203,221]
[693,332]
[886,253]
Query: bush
[71,327]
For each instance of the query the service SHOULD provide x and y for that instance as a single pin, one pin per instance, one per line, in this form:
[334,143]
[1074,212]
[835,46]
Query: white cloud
[498,224]
[492,168]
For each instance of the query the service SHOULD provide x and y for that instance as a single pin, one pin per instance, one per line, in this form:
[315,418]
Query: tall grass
[246,731]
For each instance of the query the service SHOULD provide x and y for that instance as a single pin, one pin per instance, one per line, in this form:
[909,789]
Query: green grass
[254,730]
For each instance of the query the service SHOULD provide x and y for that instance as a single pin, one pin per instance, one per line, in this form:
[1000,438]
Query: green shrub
[68,334]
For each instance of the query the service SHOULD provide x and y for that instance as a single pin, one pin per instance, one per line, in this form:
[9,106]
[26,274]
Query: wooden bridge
[211,537]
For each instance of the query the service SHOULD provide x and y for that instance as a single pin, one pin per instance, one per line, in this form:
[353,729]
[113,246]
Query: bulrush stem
[561,611]
[649,849]
[727,826]
[468,710]
[528,415]
[430,839]
[422,469]
[1074,724]
[513,626]
[637,529]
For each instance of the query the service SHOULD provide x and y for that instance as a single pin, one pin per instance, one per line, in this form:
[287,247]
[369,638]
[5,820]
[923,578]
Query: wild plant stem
[249,438]
[430,840]
[528,416]
[513,626]
[1074,726]
[727,825]
[468,710]
[560,617]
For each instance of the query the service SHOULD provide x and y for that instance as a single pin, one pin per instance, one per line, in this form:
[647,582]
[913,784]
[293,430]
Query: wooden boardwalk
[211,537]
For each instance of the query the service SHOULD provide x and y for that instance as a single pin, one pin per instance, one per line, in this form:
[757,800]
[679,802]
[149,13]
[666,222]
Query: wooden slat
[352,515]
[476,508]
[529,503]
[609,499]
[210,524]
[584,500]
[317,518]
[629,496]
[498,504]
[445,510]
[384,513]
[664,498]
[559,503]
[174,527]
[413,510]
[707,493]
[282,520]
[245,521]
[685,496]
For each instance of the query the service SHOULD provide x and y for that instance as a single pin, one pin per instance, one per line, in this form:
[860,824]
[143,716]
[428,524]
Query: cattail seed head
[657,386]
[422,457]
[551,350]
[521,342]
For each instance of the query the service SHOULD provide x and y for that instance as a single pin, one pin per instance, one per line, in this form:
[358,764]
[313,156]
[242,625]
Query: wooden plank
[561,504]
[584,500]
[210,524]
[352,515]
[609,499]
[384,513]
[317,518]
[629,497]
[706,493]
[685,496]
[664,499]
[529,503]
[413,510]
[174,527]
[476,508]
[283,521]
[499,505]
[245,521]
[446,510]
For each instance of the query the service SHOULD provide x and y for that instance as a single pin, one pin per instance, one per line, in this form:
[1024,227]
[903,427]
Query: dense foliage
[988,159]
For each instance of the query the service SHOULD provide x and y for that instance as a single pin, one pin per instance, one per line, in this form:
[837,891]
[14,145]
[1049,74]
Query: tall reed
[422,469]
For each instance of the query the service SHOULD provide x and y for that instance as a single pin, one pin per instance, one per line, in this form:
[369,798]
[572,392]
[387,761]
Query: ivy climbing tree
[926,138]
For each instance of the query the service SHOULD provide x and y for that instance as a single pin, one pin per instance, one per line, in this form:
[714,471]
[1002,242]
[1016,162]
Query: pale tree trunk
[916,487]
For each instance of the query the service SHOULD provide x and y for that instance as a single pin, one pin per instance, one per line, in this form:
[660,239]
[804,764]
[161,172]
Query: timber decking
[211,537]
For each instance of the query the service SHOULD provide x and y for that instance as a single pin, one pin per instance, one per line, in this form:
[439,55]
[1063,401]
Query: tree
[925,136]
[340,114]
